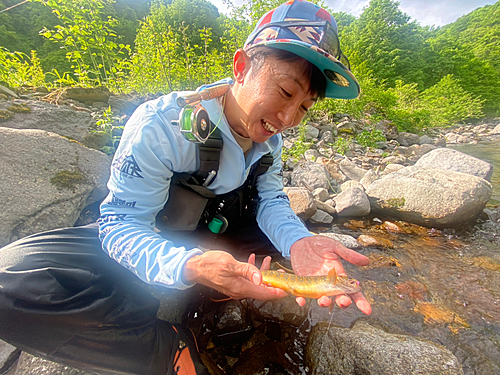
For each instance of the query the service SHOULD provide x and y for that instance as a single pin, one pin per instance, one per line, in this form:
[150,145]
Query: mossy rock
[19,108]
[68,179]
[96,140]
[5,115]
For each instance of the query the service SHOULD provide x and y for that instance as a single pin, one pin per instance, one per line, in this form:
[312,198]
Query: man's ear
[241,65]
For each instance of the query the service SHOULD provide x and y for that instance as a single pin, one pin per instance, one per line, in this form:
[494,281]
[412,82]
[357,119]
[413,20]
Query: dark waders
[64,299]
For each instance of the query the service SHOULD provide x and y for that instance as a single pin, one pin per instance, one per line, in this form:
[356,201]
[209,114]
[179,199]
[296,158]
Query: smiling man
[169,201]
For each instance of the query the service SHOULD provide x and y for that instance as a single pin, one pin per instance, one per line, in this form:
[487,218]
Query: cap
[310,32]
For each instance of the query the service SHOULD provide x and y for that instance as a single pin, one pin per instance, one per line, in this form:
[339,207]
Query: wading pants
[64,299]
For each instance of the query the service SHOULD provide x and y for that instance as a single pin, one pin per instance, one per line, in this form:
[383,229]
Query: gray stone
[351,170]
[455,138]
[391,168]
[496,130]
[8,355]
[368,178]
[425,140]
[321,217]
[425,148]
[408,139]
[60,119]
[310,175]
[453,160]
[301,202]
[370,351]
[321,194]
[311,155]
[430,196]
[87,95]
[346,240]
[327,137]
[311,132]
[349,184]
[328,206]
[31,365]
[352,202]
[34,198]
[8,92]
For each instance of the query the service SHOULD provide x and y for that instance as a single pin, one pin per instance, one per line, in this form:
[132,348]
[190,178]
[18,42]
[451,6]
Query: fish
[311,286]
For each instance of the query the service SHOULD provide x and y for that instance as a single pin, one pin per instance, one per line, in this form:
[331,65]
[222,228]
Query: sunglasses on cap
[320,34]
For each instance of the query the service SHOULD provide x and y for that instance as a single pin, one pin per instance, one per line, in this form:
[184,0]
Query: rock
[284,310]
[366,240]
[389,129]
[127,106]
[349,184]
[453,160]
[8,356]
[31,365]
[233,324]
[87,95]
[321,217]
[429,196]
[46,181]
[440,142]
[352,202]
[310,175]
[334,171]
[425,148]
[311,155]
[301,202]
[60,119]
[496,130]
[328,206]
[8,92]
[370,351]
[321,194]
[344,239]
[408,139]
[368,178]
[287,144]
[311,132]
[391,168]
[327,137]
[351,170]
[397,159]
[425,140]
[455,138]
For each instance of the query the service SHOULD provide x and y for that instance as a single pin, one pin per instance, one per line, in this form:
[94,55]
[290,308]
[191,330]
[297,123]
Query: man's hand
[220,271]
[316,256]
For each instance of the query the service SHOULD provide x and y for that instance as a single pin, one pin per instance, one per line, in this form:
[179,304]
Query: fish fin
[288,270]
[332,275]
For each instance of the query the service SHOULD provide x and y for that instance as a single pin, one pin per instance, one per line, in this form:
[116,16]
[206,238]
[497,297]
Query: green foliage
[107,125]
[17,69]
[342,144]
[299,146]
[448,102]
[370,138]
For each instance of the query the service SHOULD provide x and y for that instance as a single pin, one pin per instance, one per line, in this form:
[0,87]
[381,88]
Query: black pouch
[186,203]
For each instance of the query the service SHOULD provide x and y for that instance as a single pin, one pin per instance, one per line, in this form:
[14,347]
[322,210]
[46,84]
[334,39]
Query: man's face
[270,100]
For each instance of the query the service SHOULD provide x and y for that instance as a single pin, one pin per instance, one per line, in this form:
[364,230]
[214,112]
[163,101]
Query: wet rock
[310,175]
[60,119]
[371,351]
[301,202]
[351,170]
[259,359]
[321,217]
[429,196]
[344,239]
[453,160]
[59,178]
[366,240]
[233,324]
[352,202]
[283,310]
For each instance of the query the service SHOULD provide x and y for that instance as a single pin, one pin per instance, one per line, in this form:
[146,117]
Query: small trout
[311,286]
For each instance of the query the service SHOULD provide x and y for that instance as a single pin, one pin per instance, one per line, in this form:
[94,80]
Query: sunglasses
[320,34]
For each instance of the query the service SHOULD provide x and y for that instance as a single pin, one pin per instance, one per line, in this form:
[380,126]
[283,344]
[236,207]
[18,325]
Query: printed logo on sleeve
[127,166]
[115,201]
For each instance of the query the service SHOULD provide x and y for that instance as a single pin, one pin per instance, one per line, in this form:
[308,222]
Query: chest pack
[191,203]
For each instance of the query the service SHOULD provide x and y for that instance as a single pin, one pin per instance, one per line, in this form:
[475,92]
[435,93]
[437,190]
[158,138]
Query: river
[438,285]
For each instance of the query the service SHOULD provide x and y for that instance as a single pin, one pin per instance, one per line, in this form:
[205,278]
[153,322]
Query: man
[65,299]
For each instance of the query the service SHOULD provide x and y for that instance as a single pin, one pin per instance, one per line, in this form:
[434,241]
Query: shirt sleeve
[274,214]
[150,151]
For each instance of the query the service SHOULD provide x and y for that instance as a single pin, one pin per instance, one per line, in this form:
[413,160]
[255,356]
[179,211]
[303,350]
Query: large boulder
[301,202]
[370,351]
[46,181]
[453,160]
[430,196]
[352,202]
[59,119]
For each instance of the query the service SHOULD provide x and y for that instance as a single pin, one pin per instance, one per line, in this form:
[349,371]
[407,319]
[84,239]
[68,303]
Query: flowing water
[439,285]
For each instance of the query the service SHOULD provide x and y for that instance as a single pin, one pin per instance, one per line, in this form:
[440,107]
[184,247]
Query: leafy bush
[17,69]
[448,102]
[370,138]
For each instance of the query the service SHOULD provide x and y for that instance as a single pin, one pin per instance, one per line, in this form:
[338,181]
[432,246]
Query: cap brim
[340,82]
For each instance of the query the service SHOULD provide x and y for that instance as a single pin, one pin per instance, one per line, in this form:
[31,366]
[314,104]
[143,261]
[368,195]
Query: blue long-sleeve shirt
[151,150]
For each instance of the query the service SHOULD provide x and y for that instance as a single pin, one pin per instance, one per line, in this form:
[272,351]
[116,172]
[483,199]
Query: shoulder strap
[264,163]
[209,154]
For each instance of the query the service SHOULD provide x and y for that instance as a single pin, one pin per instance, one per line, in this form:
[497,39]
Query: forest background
[418,77]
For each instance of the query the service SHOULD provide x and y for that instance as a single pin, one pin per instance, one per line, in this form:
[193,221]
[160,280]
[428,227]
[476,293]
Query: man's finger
[266,263]
[343,301]
[251,259]
[361,302]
